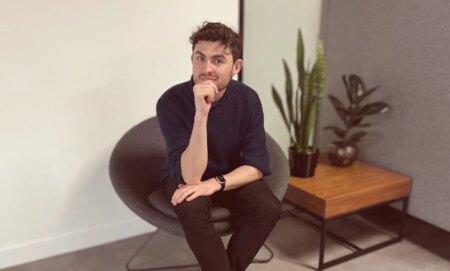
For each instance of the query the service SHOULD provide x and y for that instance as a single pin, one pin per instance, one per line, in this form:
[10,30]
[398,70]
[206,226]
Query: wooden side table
[335,192]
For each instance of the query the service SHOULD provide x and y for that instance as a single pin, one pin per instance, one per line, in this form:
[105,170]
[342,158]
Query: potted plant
[343,152]
[302,106]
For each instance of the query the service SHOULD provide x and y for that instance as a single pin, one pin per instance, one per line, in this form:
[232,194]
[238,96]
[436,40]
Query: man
[217,154]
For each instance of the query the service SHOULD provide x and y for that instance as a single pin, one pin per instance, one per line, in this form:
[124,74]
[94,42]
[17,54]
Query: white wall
[74,76]
[270,34]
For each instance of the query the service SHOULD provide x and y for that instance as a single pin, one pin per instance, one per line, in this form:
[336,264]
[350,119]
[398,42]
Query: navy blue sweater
[235,130]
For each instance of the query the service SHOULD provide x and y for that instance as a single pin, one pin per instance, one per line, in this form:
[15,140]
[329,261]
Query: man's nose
[208,66]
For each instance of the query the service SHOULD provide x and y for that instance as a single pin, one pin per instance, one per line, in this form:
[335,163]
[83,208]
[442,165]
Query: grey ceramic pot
[342,156]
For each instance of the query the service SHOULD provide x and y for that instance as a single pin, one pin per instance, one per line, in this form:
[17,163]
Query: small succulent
[353,114]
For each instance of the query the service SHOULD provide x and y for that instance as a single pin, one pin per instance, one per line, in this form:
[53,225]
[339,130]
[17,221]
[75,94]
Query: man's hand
[190,192]
[204,94]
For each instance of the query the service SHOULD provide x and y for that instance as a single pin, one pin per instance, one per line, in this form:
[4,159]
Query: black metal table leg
[323,237]
[401,230]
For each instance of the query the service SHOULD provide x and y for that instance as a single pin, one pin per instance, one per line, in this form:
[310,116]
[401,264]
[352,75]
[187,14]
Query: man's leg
[201,236]
[257,211]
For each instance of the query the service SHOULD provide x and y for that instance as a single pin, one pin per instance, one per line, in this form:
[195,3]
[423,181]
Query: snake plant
[303,102]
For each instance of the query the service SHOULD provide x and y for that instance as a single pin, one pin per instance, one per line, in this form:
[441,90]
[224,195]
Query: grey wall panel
[404,47]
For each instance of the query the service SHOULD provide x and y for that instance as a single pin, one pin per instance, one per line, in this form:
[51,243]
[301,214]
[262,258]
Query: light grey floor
[294,242]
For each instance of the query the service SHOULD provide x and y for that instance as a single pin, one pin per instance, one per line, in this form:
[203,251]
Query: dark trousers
[255,211]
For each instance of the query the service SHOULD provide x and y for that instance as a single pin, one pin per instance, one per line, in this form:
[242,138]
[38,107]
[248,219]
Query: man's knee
[264,205]
[269,208]
[192,213]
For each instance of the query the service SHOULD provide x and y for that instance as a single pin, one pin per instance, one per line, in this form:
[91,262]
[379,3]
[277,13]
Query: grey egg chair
[134,170]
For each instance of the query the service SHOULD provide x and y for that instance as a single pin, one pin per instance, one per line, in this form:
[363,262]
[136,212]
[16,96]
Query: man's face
[212,61]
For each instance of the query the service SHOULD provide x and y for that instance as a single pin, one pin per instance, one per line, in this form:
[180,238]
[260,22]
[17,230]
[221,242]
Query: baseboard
[43,248]
[416,230]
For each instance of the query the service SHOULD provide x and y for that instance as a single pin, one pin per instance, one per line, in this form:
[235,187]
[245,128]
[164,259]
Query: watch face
[220,179]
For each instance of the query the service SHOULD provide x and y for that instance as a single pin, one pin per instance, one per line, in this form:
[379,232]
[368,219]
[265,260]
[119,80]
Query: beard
[220,82]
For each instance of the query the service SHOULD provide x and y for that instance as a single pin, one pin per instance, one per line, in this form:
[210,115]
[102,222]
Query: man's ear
[237,66]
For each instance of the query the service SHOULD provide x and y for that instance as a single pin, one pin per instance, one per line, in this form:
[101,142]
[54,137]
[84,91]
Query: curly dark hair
[218,32]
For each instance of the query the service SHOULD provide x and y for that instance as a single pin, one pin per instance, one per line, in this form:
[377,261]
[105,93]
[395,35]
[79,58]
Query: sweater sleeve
[254,148]
[176,134]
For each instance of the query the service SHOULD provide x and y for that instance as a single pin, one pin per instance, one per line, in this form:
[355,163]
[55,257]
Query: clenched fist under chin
[204,95]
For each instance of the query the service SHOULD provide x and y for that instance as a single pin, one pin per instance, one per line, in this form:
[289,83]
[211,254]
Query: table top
[339,190]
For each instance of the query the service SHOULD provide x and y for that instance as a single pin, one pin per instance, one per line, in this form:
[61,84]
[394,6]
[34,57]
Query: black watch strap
[221,180]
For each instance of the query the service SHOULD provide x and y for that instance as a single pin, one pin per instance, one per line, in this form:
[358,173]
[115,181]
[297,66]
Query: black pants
[255,211]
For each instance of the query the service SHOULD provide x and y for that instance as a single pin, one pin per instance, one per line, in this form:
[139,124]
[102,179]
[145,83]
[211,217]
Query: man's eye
[218,61]
[199,58]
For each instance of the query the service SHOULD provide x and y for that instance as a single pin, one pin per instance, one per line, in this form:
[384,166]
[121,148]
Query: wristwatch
[221,180]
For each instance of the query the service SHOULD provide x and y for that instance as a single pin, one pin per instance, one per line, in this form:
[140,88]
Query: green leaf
[338,104]
[356,86]
[288,86]
[347,88]
[338,131]
[279,104]
[340,108]
[296,122]
[305,97]
[373,108]
[355,120]
[300,60]
[365,95]
[320,72]
[309,124]
[316,86]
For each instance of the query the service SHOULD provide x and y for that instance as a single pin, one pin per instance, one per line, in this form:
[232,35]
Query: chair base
[160,244]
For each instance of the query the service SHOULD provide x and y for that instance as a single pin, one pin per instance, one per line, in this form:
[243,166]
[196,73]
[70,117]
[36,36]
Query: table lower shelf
[357,251]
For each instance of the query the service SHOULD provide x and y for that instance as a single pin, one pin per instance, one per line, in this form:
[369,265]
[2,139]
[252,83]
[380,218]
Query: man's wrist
[216,185]
[221,181]
[200,117]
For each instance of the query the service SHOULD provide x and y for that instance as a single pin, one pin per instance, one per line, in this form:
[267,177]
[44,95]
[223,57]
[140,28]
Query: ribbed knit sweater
[235,130]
